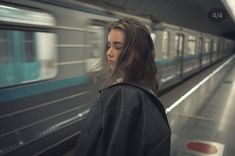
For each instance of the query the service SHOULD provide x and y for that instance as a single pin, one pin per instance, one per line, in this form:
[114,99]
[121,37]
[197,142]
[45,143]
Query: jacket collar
[139,85]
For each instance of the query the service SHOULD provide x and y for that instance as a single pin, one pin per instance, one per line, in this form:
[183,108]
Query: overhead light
[230,6]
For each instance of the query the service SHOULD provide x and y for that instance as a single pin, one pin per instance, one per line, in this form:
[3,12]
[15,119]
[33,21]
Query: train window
[179,44]
[200,45]
[5,55]
[191,45]
[29,47]
[215,46]
[207,45]
[95,39]
[165,44]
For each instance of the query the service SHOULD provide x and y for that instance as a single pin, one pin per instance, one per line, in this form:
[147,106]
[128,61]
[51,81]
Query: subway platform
[201,112]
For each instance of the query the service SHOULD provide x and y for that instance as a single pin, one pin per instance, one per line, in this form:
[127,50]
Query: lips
[111,64]
[110,61]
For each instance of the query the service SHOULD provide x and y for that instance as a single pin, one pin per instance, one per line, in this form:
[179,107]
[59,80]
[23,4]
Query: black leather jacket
[126,120]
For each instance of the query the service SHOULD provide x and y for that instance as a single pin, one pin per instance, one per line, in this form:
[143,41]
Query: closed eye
[118,45]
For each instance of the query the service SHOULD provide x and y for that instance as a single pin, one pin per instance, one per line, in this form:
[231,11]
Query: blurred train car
[46,53]
[48,49]
[181,52]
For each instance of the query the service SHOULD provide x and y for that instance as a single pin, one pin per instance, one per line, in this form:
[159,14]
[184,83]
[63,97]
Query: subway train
[48,50]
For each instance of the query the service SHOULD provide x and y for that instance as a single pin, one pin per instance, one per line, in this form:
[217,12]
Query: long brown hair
[136,61]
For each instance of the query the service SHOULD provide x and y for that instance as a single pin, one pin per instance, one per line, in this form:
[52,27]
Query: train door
[6,69]
[214,51]
[179,44]
[222,50]
[200,51]
[211,50]
[206,52]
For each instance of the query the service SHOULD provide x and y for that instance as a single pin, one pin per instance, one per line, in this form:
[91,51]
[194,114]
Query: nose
[109,53]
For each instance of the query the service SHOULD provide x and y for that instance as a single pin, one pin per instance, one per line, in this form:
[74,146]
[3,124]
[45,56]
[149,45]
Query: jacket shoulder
[121,98]
[142,92]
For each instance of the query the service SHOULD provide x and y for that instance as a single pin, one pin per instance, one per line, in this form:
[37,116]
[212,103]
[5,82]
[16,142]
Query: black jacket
[126,120]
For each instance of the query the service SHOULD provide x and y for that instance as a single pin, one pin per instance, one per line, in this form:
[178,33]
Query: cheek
[117,55]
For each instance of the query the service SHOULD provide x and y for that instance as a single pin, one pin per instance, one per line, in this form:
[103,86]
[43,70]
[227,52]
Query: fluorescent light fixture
[230,6]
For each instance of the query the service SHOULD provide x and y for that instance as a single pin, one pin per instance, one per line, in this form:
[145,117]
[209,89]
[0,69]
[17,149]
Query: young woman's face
[115,45]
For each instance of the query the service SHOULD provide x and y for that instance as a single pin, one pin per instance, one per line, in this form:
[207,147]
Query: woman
[127,118]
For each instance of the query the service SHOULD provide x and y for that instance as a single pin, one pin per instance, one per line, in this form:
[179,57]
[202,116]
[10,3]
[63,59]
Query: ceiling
[192,14]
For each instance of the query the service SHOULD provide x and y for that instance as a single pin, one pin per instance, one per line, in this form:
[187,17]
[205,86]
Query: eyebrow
[116,42]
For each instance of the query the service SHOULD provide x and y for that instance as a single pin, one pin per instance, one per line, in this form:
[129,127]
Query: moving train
[47,53]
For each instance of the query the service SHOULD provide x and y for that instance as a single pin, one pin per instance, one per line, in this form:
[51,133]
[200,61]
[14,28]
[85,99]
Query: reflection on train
[48,49]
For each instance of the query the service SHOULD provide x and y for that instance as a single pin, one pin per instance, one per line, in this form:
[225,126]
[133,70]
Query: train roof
[12,15]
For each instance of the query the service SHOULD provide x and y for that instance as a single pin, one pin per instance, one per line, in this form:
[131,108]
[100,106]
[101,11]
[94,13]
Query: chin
[112,67]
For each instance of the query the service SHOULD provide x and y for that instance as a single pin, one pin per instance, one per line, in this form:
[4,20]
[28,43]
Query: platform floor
[202,123]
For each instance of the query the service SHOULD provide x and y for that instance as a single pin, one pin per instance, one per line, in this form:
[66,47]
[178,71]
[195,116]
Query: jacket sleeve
[162,148]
